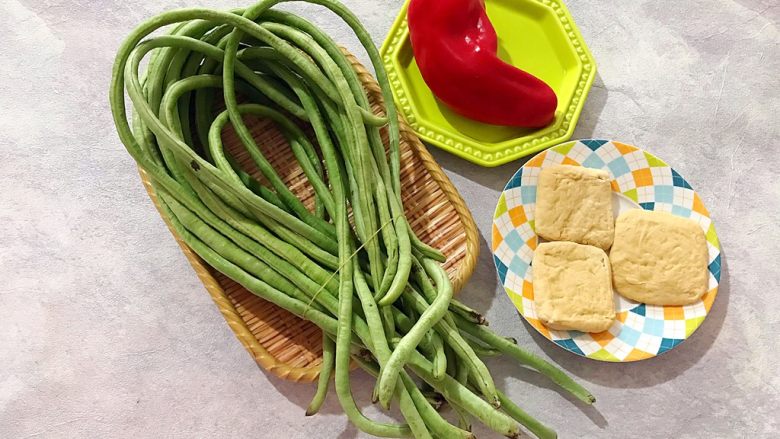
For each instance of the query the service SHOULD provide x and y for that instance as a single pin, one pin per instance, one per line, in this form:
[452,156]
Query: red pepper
[456,48]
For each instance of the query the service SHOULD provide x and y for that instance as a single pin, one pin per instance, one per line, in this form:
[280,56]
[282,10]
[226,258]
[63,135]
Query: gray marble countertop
[105,331]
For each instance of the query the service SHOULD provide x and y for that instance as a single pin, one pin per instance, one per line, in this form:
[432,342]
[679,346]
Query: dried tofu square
[573,287]
[659,258]
[574,203]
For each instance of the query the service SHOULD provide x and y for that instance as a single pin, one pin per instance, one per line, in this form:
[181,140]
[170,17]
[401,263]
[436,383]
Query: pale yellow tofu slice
[659,258]
[574,203]
[572,287]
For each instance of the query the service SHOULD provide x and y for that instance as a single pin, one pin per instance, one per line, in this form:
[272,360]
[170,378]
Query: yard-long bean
[350,263]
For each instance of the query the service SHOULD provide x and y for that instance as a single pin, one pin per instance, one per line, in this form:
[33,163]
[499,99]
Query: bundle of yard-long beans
[377,292]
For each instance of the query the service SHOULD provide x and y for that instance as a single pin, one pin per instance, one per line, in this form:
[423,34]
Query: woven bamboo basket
[279,341]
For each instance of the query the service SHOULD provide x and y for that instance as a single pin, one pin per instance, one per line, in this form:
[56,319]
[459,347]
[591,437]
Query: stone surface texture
[105,331]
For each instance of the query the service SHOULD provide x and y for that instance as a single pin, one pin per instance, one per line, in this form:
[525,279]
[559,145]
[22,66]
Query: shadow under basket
[282,343]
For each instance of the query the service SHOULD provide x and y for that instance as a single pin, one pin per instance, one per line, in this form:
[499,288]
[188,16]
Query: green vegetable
[377,292]
[326,368]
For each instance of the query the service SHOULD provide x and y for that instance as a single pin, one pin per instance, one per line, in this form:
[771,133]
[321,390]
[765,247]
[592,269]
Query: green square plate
[538,36]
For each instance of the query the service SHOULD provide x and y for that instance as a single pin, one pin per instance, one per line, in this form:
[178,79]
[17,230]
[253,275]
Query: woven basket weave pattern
[282,343]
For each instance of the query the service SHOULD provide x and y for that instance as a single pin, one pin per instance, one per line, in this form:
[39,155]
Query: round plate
[639,180]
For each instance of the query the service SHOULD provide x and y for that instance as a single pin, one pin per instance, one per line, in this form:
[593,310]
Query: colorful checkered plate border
[640,331]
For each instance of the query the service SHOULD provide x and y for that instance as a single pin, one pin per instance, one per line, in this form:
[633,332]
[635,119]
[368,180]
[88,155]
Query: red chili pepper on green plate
[456,49]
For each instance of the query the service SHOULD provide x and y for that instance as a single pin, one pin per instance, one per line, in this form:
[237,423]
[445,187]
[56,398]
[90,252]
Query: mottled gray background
[106,332]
